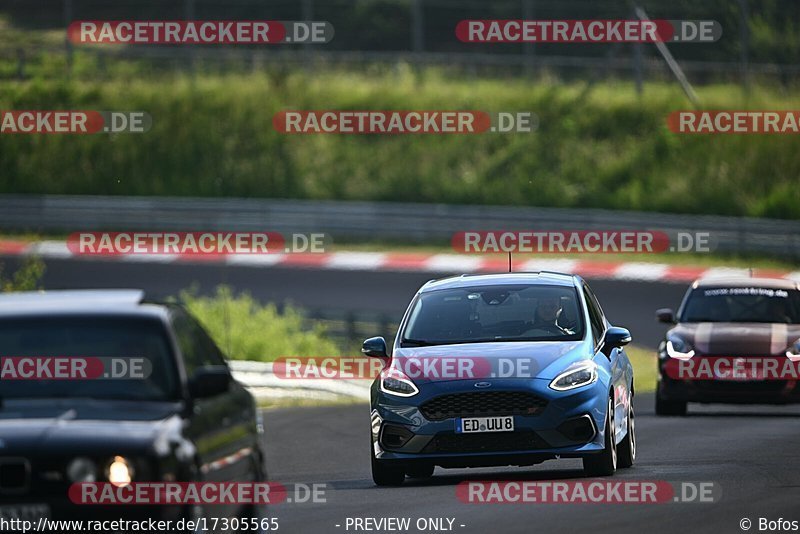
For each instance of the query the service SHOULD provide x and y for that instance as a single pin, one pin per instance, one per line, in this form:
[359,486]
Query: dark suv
[187,420]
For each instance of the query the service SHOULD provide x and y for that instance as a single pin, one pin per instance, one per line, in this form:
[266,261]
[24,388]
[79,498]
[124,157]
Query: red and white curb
[400,261]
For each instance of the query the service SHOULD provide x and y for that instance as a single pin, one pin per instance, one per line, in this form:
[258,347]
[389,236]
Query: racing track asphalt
[750,452]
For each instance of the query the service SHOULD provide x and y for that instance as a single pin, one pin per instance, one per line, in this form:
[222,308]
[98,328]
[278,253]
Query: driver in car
[546,318]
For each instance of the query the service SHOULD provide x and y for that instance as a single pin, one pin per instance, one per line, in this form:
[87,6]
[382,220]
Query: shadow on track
[446,479]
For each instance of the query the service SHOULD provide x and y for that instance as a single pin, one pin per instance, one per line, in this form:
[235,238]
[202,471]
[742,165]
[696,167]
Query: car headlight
[81,469]
[119,471]
[395,382]
[582,374]
[794,351]
[679,349]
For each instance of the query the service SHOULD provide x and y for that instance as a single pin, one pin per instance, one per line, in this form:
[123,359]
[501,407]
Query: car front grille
[485,442]
[15,475]
[482,404]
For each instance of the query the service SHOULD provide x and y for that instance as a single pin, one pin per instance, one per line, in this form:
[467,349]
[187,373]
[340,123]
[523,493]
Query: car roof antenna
[509,261]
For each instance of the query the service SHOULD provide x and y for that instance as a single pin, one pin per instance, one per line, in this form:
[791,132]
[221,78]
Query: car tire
[626,452]
[256,511]
[669,407]
[604,464]
[420,471]
[386,473]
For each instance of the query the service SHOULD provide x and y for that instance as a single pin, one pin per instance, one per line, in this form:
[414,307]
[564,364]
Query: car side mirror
[665,315]
[375,347]
[615,338]
[209,382]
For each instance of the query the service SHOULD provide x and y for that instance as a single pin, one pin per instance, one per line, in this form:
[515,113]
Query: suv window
[197,347]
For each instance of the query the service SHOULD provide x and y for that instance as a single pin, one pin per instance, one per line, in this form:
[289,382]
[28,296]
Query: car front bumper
[729,392]
[570,425]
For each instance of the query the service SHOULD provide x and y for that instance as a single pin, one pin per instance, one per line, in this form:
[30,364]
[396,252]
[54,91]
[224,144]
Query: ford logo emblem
[482,384]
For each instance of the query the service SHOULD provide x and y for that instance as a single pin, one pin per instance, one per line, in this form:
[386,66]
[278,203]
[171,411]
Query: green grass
[597,146]
[644,368]
[280,403]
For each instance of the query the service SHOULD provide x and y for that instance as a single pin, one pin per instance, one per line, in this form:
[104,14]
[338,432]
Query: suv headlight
[582,374]
[395,382]
[679,349]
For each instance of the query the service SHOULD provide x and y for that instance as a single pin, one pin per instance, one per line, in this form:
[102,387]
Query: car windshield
[494,313]
[121,340]
[742,305]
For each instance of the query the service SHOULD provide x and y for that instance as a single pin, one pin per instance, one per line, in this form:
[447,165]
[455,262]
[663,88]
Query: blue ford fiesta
[502,369]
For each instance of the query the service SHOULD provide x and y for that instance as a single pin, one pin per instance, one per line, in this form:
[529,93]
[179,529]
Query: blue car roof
[545,278]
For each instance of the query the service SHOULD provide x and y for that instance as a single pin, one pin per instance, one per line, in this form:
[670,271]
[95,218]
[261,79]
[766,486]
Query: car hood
[536,359]
[85,426]
[738,339]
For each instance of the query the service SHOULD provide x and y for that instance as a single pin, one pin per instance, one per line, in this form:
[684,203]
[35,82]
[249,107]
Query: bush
[248,330]
[28,276]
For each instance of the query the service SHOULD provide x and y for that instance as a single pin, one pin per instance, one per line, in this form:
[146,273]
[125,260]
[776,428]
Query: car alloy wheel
[627,449]
[604,463]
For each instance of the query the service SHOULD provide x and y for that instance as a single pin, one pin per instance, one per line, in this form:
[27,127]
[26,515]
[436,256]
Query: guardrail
[386,221]
[264,384]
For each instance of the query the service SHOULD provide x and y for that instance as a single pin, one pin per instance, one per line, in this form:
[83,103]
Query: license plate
[468,425]
[28,512]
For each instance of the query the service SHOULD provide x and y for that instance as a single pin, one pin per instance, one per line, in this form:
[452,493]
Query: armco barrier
[262,382]
[388,221]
